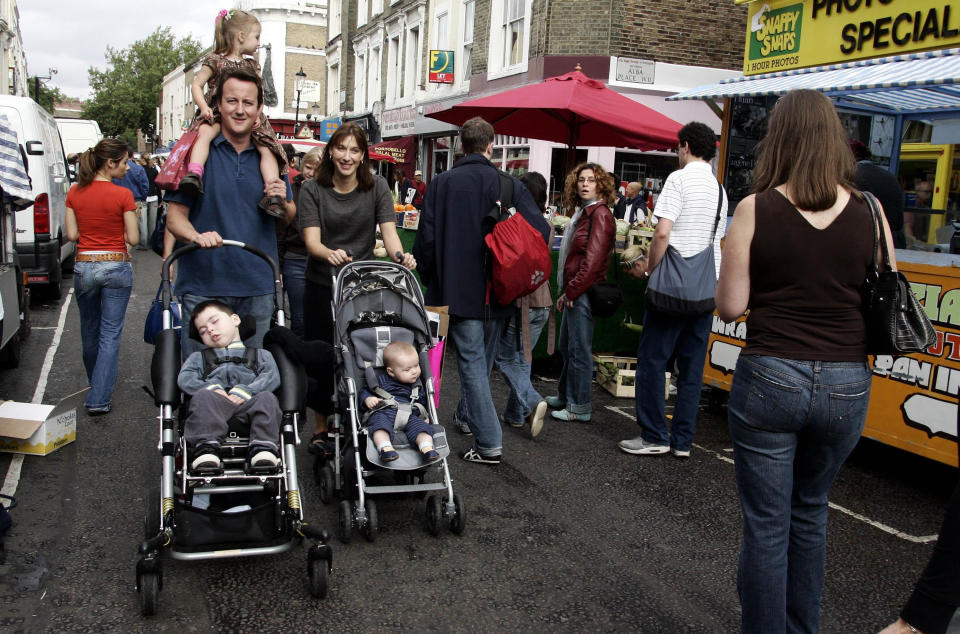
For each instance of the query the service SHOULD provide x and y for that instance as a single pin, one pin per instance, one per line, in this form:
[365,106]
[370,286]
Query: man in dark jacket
[880,182]
[450,254]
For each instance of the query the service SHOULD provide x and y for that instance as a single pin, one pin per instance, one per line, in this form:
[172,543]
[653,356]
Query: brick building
[646,49]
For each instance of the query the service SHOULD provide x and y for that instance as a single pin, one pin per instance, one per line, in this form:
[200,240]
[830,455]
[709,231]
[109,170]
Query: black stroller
[376,303]
[238,512]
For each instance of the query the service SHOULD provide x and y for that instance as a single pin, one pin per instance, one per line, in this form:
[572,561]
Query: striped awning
[916,83]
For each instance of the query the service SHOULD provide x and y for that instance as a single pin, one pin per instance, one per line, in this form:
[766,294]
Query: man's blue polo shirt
[232,187]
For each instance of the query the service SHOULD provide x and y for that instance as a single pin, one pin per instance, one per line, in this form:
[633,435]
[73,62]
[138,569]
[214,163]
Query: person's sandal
[272,206]
[321,446]
[190,184]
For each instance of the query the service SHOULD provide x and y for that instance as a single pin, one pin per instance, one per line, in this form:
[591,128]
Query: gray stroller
[376,303]
[237,512]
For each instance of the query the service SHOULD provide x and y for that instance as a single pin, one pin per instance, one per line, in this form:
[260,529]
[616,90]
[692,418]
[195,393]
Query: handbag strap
[616,269]
[716,222]
[877,224]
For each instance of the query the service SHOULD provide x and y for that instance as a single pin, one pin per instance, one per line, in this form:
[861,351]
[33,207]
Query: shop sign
[787,34]
[441,67]
[913,398]
[635,71]
[397,122]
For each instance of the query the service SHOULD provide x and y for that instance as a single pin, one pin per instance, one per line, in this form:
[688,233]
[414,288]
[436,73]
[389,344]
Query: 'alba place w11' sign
[788,34]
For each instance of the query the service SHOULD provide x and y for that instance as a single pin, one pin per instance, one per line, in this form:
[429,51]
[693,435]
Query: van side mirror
[35,148]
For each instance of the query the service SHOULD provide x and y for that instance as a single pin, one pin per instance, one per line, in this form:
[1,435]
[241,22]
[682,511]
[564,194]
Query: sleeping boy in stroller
[228,381]
[396,396]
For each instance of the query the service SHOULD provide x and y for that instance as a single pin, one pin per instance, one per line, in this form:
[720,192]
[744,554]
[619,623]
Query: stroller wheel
[149,593]
[458,520]
[369,529]
[345,526]
[324,477]
[151,514]
[434,514]
[318,571]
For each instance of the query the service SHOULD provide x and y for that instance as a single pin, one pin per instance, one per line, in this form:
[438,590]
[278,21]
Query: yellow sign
[788,34]
[913,398]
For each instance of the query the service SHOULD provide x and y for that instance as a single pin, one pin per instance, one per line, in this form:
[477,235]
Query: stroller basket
[208,527]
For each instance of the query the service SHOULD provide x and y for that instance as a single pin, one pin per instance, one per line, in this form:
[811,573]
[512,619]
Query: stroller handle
[166,294]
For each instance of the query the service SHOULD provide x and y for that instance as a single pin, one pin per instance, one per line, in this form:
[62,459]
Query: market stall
[895,81]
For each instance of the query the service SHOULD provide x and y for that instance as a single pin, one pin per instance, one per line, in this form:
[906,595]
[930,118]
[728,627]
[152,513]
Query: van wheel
[11,353]
[56,281]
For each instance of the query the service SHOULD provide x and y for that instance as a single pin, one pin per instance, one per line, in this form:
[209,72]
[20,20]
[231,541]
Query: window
[441,41]
[513,27]
[376,7]
[334,29]
[361,12]
[373,83]
[394,70]
[360,76]
[468,11]
[412,62]
[333,88]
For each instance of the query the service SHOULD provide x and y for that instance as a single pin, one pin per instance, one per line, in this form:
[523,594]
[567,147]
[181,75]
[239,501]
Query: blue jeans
[477,341]
[260,307]
[102,290]
[515,369]
[295,281]
[793,423]
[663,337]
[576,348]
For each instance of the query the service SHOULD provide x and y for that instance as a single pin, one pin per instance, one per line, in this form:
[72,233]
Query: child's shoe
[388,454]
[263,458]
[206,458]
[191,184]
[272,206]
[430,455]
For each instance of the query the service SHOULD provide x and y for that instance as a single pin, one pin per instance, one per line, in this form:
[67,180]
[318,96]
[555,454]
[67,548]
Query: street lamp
[298,86]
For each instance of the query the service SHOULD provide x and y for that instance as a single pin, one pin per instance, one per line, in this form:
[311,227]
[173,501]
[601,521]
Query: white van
[40,240]
[78,135]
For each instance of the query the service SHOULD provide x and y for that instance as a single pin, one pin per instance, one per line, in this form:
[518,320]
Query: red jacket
[589,256]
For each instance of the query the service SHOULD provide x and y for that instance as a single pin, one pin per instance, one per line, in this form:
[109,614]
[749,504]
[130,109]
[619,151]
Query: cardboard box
[439,320]
[36,429]
[411,220]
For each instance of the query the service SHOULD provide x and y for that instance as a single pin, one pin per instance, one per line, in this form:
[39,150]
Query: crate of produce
[618,375]
[411,219]
[641,236]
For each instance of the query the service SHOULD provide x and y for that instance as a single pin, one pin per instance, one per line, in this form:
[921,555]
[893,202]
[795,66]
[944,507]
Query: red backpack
[518,257]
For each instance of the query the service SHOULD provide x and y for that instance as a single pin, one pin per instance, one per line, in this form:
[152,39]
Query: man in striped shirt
[686,213]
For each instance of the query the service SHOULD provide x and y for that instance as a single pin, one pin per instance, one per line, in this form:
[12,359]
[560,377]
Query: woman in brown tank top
[797,252]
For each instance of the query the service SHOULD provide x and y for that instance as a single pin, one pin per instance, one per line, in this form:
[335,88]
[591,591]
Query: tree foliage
[126,94]
[49,95]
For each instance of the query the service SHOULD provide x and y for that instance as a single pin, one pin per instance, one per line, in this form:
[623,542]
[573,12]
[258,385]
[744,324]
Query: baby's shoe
[430,455]
[206,458]
[263,458]
[272,206]
[388,454]
[191,184]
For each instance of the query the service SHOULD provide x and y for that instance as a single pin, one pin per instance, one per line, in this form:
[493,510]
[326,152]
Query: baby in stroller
[228,381]
[398,395]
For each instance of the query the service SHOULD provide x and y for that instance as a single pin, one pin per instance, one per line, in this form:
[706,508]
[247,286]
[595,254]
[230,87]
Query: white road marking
[12,480]
[925,539]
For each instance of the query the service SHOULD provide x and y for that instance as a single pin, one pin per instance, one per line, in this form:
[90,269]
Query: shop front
[895,82]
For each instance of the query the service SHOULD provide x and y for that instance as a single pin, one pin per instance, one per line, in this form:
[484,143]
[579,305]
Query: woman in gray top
[339,213]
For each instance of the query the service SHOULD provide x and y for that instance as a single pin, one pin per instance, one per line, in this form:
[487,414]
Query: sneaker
[680,453]
[191,185]
[511,423]
[555,402]
[206,458]
[639,446]
[462,427]
[472,455]
[431,455]
[98,411]
[388,455]
[272,206]
[264,459]
[535,419]
[565,414]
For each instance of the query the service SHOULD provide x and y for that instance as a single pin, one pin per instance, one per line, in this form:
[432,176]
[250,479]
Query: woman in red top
[102,220]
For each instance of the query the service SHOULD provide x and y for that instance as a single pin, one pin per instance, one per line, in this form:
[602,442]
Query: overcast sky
[73,35]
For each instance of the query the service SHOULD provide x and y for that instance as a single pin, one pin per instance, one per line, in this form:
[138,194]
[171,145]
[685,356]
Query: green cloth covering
[609,335]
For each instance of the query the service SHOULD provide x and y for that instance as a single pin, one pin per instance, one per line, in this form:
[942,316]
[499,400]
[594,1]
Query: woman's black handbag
[895,320]
[605,298]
